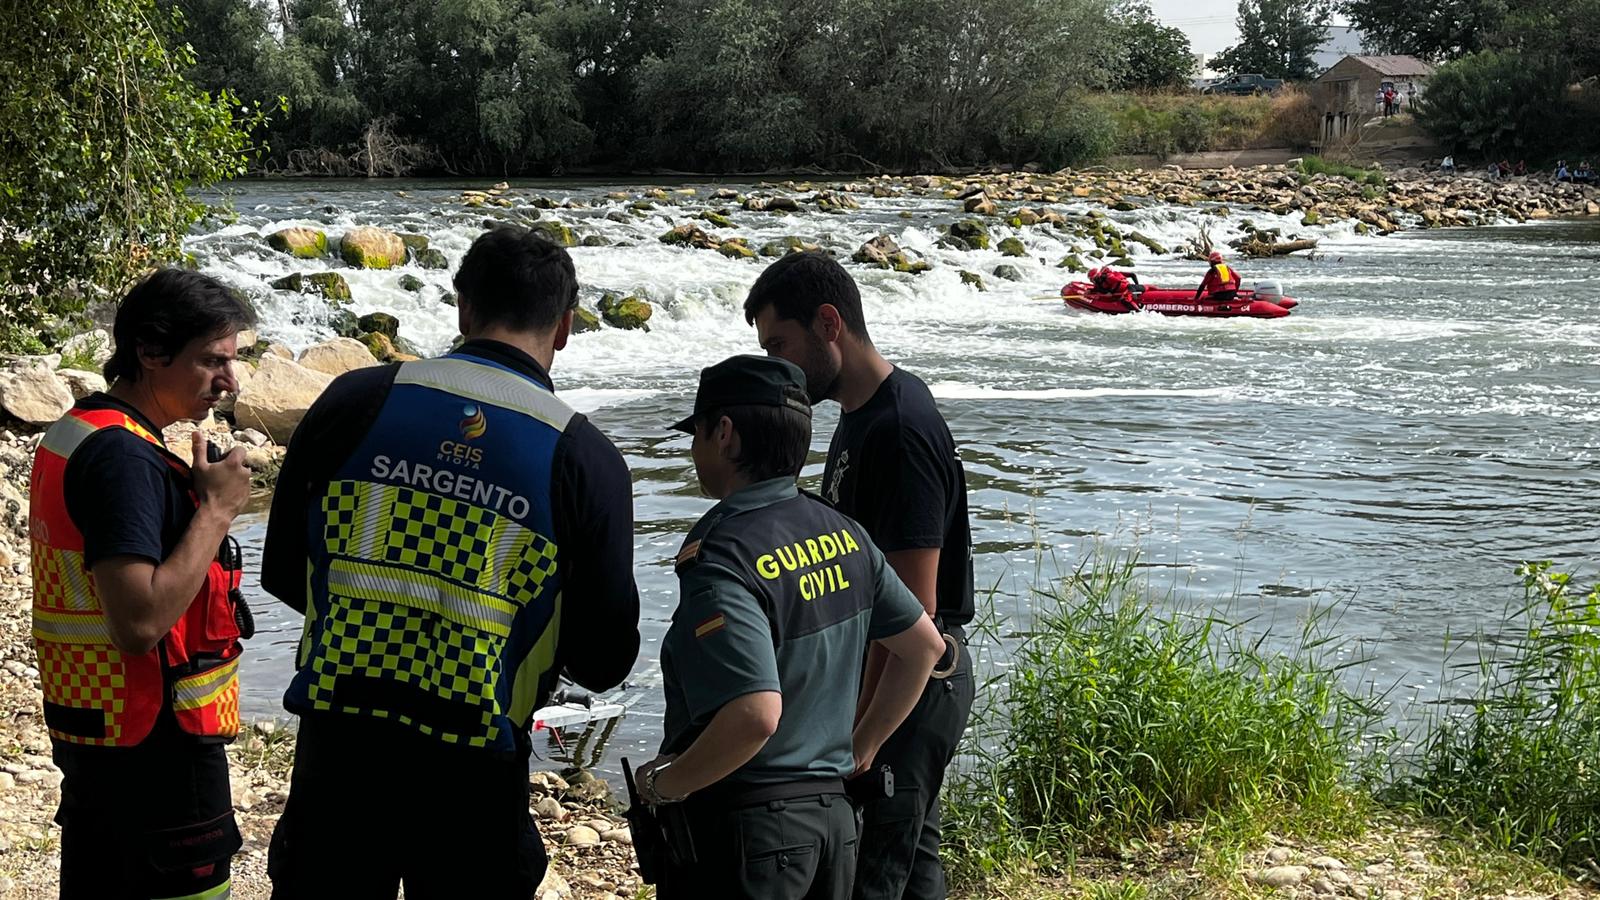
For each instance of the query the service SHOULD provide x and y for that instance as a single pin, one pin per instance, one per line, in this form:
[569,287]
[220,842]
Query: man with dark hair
[892,466]
[134,593]
[457,538]
[779,596]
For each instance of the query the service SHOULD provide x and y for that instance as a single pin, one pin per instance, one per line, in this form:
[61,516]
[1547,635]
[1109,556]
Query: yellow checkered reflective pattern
[423,591]
[85,676]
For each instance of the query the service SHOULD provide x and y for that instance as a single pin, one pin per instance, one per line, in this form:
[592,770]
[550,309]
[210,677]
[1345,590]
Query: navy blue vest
[434,596]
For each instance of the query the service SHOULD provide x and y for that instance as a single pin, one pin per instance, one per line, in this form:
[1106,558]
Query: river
[1428,416]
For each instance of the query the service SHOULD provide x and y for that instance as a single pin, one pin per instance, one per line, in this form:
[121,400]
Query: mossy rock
[717,219]
[594,240]
[1122,262]
[554,232]
[344,323]
[379,345]
[1012,247]
[736,249]
[625,312]
[1311,219]
[973,232]
[910,266]
[972,278]
[1149,243]
[416,243]
[432,258]
[411,283]
[380,323]
[1072,262]
[1008,272]
[367,247]
[951,242]
[905,213]
[1363,228]
[448,298]
[584,320]
[330,285]
[1123,206]
[300,243]
[641,206]
[1097,253]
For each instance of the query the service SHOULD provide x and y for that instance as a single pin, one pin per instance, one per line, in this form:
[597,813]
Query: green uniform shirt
[779,592]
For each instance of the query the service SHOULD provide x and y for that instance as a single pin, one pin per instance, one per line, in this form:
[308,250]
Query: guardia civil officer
[892,466]
[779,596]
[134,608]
[456,537]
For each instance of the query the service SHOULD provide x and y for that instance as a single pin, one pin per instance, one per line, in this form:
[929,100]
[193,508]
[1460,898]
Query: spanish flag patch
[711,626]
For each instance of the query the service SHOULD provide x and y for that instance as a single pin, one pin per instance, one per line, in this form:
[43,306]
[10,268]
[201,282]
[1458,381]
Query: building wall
[1346,96]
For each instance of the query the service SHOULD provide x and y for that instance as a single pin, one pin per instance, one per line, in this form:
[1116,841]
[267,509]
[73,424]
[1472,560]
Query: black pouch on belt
[877,783]
[648,844]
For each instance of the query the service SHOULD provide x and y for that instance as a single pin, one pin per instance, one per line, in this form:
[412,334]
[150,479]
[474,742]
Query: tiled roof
[1396,65]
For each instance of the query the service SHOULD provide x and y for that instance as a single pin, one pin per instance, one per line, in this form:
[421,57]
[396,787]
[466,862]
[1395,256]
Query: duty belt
[738,796]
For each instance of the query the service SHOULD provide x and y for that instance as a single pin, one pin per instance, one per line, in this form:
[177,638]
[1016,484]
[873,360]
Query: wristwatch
[647,787]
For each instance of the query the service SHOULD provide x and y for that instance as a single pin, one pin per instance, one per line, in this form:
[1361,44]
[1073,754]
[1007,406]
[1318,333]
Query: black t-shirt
[893,467]
[591,503]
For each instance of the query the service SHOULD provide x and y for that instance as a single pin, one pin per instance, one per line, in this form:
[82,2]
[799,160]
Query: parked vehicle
[1243,84]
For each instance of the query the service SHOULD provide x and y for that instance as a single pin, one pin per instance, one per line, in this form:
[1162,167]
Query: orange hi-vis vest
[95,694]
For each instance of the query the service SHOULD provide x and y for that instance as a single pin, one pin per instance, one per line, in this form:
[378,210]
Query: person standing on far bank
[892,466]
[457,537]
[136,615]
[779,598]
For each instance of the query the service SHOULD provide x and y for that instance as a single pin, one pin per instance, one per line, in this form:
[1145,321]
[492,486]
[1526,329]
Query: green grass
[1122,714]
[1316,165]
[1520,765]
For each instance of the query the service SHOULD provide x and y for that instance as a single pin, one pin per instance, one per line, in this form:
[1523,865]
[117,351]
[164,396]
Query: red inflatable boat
[1265,301]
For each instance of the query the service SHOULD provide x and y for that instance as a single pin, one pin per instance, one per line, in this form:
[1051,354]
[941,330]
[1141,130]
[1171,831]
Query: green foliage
[1316,165]
[1277,38]
[1492,104]
[1520,764]
[1164,124]
[101,139]
[1157,56]
[1122,714]
[1436,30]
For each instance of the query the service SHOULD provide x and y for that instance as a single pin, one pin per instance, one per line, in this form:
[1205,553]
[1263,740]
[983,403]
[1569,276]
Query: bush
[1521,765]
[1119,717]
[101,139]
[1494,105]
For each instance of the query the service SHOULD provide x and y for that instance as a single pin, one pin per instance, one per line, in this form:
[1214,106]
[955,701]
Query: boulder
[329,285]
[416,243]
[33,394]
[367,247]
[381,323]
[301,243]
[687,235]
[81,383]
[89,349]
[972,278]
[625,312]
[736,248]
[1009,273]
[412,283]
[972,232]
[584,320]
[554,232]
[1012,247]
[717,219]
[432,258]
[1072,262]
[277,397]
[337,356]
[344,323]
[881,251]
[594,240]
[980,205]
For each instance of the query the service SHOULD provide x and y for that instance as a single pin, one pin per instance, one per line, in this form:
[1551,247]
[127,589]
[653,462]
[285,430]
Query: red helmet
[1216,256]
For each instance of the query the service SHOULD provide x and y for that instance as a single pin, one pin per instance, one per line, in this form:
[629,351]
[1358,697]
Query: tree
[101,140]
[1493,105]
[1157,56]
[1277,38]
[1442,29]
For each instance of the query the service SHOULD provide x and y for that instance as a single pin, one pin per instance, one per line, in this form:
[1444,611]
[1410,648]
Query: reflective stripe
[364,581]
[221,892]
[66,628]
[66,434]
[203,689]
[490,385]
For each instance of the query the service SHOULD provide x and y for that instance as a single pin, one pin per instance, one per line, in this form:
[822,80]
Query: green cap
[749,381]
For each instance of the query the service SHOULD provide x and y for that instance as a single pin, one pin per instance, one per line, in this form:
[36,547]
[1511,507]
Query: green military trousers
[803,848]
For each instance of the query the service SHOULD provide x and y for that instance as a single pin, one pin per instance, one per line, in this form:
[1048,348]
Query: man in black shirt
[893,467]
[457,537]
[133,616]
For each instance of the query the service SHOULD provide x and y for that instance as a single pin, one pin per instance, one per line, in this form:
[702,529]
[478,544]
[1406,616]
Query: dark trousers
[146,823]
[797,849]
[900,835]
[374,805]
